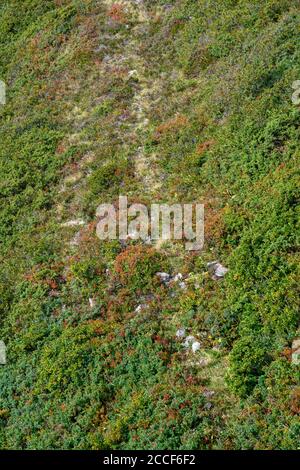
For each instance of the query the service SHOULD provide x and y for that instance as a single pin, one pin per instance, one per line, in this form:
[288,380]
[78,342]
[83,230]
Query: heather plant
[177,101]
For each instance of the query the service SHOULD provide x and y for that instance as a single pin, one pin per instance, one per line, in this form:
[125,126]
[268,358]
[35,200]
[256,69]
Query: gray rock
[196,346]
[168,7]
[220,270]
[164,277]
[188,341]
[217,270]
[141,307]
[208,405]
[180,333]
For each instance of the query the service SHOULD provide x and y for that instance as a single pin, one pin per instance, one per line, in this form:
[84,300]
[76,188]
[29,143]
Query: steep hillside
[171,102]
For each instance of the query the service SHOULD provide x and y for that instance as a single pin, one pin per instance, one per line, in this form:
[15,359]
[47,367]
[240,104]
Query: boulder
[217,270]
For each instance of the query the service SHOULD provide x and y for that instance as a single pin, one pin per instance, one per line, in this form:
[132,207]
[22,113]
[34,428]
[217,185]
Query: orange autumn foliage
[117,13]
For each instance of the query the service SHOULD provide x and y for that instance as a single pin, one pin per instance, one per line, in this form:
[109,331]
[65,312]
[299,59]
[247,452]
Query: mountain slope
[177,101]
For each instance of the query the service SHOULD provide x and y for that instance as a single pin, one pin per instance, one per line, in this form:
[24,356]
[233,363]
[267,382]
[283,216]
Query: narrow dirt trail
[146,94]
[145,97]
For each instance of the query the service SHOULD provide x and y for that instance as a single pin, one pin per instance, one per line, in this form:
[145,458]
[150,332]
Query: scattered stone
[164,277]
[133,73]
[296,351]
[196,346]
[220,271]
[204,361]
[168,7]
[211,265]
[180,333]
[217,270]
[208,393]
[188,341]
[92,302]
[141,307]
[76,239]
[168,279]
[208,405]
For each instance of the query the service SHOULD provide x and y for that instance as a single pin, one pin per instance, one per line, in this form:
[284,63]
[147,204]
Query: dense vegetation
[204,89]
